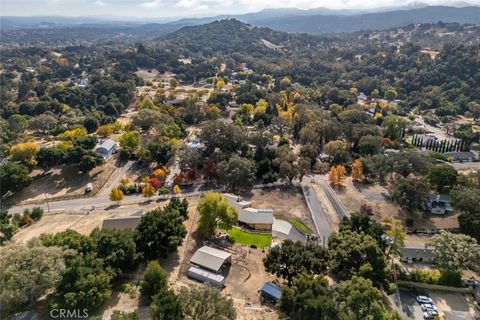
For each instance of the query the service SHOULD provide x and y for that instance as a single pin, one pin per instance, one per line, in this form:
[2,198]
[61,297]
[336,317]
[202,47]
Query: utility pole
[48,205]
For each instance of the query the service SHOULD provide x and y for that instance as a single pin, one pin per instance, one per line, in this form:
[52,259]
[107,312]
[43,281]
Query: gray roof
[122,223]
[272,290]
[210,258]
[440,197]
[106,146]
[204,275]
[416,253]
[255,216]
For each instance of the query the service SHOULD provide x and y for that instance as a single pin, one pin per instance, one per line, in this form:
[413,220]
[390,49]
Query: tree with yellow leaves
[116,195]
[105,130]
[261,106]
[220,83]
[176,189]
[25,153]
[396,233]
[148,191]
[357,170]
[74,133]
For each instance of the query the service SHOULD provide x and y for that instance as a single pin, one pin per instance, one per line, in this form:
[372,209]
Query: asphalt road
[337,205]
[318,215]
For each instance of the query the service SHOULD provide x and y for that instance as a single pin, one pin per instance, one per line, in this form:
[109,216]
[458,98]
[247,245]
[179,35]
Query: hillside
[225,37]
[317,24]
[56,30]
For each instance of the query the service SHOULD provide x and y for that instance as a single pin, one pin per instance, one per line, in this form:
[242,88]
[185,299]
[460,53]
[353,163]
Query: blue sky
[182,8]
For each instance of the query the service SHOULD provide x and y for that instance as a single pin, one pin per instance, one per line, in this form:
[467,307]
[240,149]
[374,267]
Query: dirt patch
[84,223]
[147,74]
[284,200]
[65,181]
[354,194]
[125,302]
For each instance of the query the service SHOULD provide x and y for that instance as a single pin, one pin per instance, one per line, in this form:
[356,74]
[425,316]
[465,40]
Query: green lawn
[302,227]
[261,240]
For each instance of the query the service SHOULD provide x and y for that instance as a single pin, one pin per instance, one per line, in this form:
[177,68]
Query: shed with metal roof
[271,291]
[107,148]
[211,259]
[206,276]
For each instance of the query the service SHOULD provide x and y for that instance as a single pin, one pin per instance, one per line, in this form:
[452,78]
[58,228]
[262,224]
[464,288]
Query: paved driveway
[284,229]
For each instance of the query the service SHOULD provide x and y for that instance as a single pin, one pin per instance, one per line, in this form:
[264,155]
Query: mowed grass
[261,240]
[299,225]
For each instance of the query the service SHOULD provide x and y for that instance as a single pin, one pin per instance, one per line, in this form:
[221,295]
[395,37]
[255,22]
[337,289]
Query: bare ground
[285,200]
[65,181]
[354,194]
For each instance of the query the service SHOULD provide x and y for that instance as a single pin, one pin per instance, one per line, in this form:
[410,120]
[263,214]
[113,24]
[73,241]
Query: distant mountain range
[313,21]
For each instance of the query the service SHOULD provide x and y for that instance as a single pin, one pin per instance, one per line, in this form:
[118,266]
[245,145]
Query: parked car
[424,299]
[428,307]
[430,314]
[469,282]
[89,187]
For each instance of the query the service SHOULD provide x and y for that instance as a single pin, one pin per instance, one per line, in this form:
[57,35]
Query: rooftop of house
[255,216]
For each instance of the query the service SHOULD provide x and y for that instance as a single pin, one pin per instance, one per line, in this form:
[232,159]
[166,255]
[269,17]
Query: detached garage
[211,259]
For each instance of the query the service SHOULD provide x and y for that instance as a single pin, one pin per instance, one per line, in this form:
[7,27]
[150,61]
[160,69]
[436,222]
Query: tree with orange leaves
[332,176]
[336,175]
[357,170]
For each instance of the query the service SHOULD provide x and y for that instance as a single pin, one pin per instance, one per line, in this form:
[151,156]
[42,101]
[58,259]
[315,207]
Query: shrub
[409,222]
[129,288]
[125,153]
[450,278]
[163,190]
[25,220]
[132,188]
[37,213]
[154,279]
[425,276]
[123,187]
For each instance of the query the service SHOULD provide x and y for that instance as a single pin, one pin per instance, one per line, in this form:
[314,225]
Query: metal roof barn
[206,276]
[210,258]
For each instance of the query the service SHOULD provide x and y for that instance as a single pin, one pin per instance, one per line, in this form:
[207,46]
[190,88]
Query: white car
[424,299]
[430,314]
[428,307]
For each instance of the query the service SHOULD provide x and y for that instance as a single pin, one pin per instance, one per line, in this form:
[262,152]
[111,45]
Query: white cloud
[100,3]
[193,5]
[152,4]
